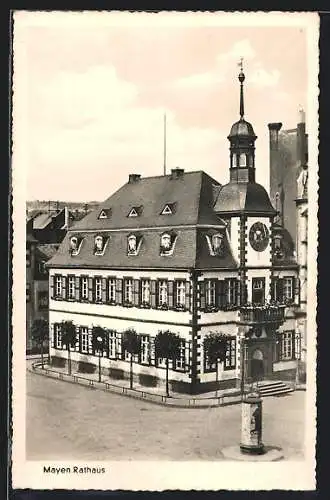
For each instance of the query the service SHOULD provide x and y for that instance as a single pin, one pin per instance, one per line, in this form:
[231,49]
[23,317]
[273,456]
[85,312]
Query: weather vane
[240,64]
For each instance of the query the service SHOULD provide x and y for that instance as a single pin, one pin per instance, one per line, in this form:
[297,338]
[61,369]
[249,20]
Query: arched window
[98,243]
[217,243]
[166,241]
[74,243]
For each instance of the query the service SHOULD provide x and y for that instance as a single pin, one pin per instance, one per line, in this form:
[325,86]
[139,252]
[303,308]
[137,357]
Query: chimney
[301,139]
[275,168]
[177,173]
[132,178]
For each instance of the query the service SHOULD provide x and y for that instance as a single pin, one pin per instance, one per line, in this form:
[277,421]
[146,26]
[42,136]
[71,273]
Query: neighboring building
[288,150]
[288,192]
[302,236]
[181,252]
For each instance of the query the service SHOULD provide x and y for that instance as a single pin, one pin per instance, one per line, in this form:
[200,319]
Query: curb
[133,393]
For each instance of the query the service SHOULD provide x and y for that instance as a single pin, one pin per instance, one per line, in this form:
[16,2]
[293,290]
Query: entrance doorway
[257,365]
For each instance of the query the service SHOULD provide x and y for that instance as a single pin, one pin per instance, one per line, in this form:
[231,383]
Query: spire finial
[241,78]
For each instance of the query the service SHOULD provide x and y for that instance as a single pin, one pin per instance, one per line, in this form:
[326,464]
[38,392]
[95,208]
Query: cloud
[199,80]
[263,78]
[242,48]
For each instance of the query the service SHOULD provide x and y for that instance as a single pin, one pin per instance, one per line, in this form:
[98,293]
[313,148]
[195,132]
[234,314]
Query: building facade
[181,252]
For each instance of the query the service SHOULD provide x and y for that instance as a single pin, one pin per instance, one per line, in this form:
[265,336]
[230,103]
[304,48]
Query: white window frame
[84,340]
[128,290]
[145,291]
[288,288]
[180,362]
[58,286]
[98,289]
[243,160]
[162,292]
[210,293]
[113,344]
[230,358]
[180,293]
[71,287]
[231,291]
[58,336]
[112,289]
[287,346]
[145,350]
[84,287]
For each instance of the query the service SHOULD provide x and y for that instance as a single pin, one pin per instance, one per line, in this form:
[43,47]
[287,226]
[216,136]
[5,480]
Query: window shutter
[77,345]
[237,289]
[279,292]
[152,350]
[170,294]
[90,341]
[297,291]
[187,296]
[104,290]
[202,300]
[90,290]
[119,291]
[52,335]
[136,293]
[272,288]
[153,293]
[221,293]
[64,287]
[186,356]
[77,287]
[51,286]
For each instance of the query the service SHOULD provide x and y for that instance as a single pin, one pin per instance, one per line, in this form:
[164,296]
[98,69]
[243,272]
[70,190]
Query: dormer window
[100,243]
[169,209]
[105,213]
[216,244]
[135,211]
[167,242]
[133,244]
[75,245]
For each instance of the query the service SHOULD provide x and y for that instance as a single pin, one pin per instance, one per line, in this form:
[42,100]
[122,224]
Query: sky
[91,99]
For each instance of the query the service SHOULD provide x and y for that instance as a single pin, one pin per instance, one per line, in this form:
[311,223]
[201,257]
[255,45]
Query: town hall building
[181,252]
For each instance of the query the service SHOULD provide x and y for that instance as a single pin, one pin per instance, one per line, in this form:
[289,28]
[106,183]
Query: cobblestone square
[70,422]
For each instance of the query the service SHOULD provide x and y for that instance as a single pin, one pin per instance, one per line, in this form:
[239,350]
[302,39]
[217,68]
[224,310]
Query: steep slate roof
[193,192]
[238,196]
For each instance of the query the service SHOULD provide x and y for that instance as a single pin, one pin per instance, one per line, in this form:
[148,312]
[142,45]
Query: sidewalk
[152,394]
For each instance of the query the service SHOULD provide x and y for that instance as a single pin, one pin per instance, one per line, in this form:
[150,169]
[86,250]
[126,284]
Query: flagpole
[164,143]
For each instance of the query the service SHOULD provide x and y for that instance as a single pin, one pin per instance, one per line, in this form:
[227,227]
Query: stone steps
[274,388]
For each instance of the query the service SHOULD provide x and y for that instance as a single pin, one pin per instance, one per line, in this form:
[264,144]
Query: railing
[262,314]
[184,402]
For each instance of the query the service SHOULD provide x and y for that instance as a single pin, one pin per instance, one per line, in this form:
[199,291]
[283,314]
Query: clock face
[259,236]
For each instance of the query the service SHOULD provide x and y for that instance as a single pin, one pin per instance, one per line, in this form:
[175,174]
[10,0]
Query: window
[98,289]
[112,290]
[167,242]
[42,267]
[288,289]
[105,213]
[230,361]
[99,245]
[84,288]
[258,290]
[210,293]
[180,297]
[71,287]
[242,160]
[169,209]
[128,290]
[58,286]
[43,300]
[135,211]
[234,160]
[208,366]
[287,346]
[180,362]
[231,292]
[297,347]
[57,336]
[145,350]
[84,339]
[145,291]
[217,244]
[112,344]
[75,244]
[162,293]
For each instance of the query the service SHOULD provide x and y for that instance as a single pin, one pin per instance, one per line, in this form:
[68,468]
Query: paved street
[67,421]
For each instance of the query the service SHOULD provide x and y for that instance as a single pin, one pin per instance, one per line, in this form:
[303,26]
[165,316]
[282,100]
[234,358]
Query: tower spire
[241,78]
